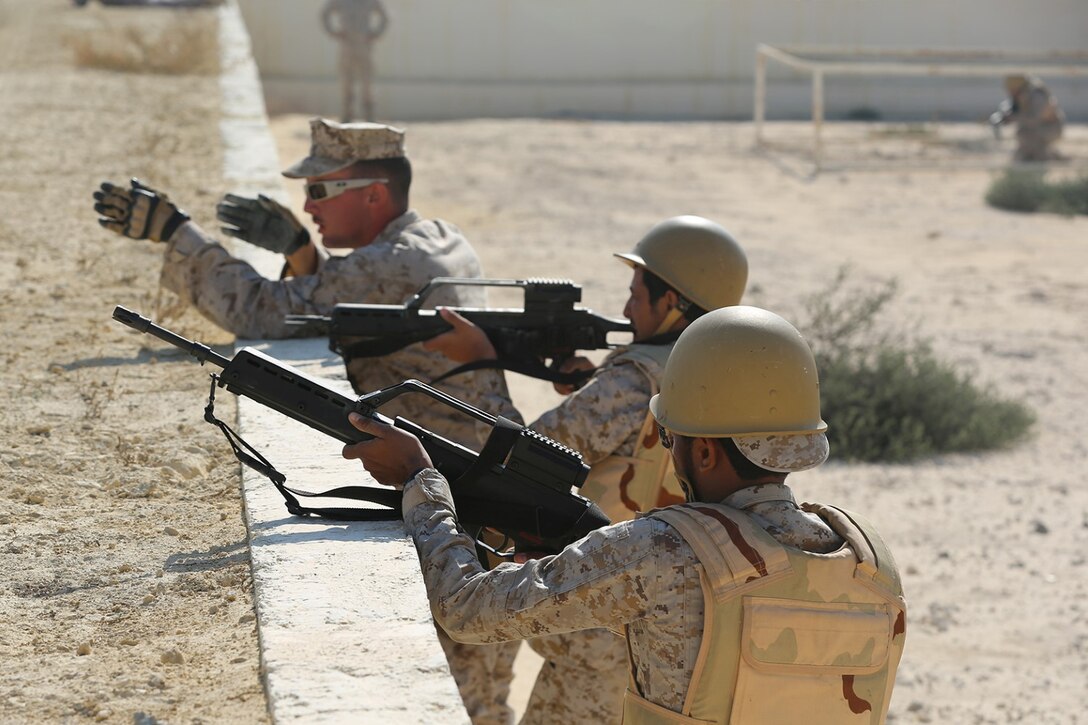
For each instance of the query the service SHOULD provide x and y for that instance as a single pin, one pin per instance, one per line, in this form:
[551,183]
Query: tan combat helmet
[747,374]
[696,257]
[1014,83]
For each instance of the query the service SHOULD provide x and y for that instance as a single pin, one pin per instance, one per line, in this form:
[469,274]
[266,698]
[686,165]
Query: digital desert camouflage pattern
[602,418]
[335,146]
[607,420]
[645,576]
[1039,120]
[785,453]
[624,484]
[773,507]
[582,679]
[483,674]
[408,253]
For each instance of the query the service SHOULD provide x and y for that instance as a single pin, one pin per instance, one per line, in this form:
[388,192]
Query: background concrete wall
[649,59]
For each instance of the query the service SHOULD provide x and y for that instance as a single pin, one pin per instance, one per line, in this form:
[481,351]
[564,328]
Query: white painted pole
[818,114]
[761,94]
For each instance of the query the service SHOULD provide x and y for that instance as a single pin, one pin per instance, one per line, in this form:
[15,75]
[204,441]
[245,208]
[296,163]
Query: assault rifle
[549,327]
[519,484]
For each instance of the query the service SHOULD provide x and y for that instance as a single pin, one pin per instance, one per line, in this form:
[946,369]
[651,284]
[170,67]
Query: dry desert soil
[126,592]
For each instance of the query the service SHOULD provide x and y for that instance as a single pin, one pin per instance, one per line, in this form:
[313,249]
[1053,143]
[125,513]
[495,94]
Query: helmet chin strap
[674,314]
[685,486]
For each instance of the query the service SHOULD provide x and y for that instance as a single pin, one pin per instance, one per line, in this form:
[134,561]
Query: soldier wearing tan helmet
[1038,118]
[681,268]
[739,605]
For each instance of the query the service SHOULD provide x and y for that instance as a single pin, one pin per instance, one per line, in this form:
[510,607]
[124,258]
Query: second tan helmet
[696,257]
[738,372]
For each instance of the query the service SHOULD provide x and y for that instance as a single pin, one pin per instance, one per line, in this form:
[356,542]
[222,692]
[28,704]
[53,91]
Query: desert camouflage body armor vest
[789,636]
[625,485]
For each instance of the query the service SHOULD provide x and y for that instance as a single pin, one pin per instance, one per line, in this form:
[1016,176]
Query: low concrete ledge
[345,630]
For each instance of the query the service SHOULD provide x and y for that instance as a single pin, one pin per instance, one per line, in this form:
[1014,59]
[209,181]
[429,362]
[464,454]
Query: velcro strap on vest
[732,550]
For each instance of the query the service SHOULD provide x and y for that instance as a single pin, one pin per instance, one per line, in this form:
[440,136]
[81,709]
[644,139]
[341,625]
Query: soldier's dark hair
[657,288]
[398,170]
[746,470]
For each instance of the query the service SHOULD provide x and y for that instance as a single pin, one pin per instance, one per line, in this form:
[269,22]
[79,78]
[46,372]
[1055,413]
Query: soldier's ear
[706,454]
[671,298]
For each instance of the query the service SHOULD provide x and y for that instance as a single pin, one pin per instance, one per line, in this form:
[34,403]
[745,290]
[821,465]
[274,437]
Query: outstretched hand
[263,222]
[392,456]
[138,212]
[465,343]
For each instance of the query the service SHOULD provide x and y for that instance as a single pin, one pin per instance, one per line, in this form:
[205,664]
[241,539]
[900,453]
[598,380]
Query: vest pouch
[795,653]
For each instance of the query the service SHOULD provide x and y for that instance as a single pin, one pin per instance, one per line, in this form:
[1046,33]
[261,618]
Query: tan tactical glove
[262,221]
[139,212]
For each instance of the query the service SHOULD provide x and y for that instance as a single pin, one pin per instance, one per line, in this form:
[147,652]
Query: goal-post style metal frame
[824,61]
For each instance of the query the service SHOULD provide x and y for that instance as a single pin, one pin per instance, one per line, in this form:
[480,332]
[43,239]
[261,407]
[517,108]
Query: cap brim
[316,166]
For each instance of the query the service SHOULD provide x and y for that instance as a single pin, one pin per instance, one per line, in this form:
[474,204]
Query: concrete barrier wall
[345,629]
[643,59]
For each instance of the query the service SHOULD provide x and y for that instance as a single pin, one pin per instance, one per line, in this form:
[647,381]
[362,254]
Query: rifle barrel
[138,322]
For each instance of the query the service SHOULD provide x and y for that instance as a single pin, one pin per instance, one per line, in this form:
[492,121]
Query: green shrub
[890,399]
[1029,191]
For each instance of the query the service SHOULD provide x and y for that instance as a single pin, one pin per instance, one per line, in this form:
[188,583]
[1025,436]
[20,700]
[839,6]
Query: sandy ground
[127,587]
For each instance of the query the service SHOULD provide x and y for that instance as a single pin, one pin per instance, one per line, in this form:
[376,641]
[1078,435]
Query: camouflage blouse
[407,254]
[601,419]
[639,573]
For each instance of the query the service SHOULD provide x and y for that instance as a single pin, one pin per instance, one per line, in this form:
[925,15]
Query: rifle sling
[251,457]
[494,452]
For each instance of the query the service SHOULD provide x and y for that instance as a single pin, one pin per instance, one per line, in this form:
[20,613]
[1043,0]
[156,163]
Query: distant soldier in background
[1038,118]
[356,24]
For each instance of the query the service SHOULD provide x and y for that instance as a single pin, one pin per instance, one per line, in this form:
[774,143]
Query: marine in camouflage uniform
[1038,117]
[743,607]
[356,24]
[407,254]
[682,267]
[402,252]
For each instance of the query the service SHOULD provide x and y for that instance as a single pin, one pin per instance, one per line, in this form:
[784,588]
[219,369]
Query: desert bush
[187,45]
[886,396]
[1028,190]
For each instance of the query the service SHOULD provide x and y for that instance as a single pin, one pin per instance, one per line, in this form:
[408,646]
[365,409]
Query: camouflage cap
[336,146]
[788,453]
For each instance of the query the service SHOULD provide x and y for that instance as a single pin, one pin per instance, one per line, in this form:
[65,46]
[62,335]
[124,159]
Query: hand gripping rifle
[519,484]
[549,327]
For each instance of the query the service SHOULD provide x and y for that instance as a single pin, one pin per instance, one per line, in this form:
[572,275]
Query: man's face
[645,316]
[343,221]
